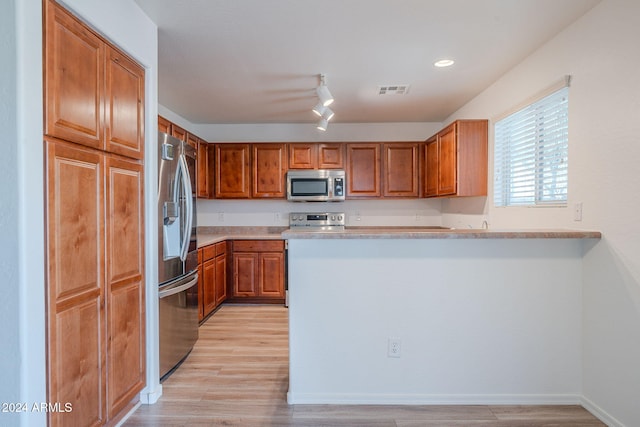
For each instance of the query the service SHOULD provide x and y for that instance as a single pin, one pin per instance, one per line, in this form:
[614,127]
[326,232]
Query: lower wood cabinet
[258,271]
[212,277]
[95,283]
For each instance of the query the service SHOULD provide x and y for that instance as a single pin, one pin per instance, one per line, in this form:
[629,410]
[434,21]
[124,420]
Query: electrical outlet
[276,217]
[220,216]
[394,348]
[358,217]
[577,212]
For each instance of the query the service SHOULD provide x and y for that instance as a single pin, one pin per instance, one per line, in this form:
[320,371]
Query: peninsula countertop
[374,232]
[210,235]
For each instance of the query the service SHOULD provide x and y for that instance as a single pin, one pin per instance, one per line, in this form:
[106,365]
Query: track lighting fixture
[321,109]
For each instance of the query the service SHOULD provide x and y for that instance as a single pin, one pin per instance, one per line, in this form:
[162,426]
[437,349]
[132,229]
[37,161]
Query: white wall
[600,52]
[10,216]
[476,327]
[124,23]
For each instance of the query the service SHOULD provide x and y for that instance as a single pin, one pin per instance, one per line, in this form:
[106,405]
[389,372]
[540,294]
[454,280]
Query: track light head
[319,109]
[328,113]
[322,125]
[325,96]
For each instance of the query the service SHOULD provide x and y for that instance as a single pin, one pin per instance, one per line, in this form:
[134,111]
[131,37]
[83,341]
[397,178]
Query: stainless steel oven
[323,185]
[317,221]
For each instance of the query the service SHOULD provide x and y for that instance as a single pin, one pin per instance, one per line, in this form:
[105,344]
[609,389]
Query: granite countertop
[438,233]
[211,235]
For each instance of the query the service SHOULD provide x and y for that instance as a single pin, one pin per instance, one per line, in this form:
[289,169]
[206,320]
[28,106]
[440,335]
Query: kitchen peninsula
[435,316]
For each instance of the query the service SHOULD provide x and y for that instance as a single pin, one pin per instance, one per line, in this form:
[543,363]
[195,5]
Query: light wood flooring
[237,375]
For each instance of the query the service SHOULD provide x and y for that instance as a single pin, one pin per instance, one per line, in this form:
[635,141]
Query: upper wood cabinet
[401,169]
[124,110]
[205,169]
[73,79]
[269,168]
[178,132]
[363,170]
[456,160]
[316,156]
[232,171]
[94,94]
[164,125]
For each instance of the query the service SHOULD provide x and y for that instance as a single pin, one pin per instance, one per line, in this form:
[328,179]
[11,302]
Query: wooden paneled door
[124,89]
[271,280]
[232,171]
[401,168]
[447,161]
[269,170]
[75,276]
[74,80]
[125,299]
[431,166]
[363,170]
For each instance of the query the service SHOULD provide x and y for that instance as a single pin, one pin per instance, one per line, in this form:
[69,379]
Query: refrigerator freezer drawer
[178,313]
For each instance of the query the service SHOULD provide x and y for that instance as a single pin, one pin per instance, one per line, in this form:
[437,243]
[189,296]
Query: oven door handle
[179,288]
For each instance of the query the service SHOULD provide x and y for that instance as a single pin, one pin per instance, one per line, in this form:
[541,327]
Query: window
[531,150]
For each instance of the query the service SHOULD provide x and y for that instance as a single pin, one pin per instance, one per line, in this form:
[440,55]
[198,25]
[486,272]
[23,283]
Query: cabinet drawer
[258,245]
[221,248]
[208,252]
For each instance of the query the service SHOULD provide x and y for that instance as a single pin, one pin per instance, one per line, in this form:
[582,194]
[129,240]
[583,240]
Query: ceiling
[259,61]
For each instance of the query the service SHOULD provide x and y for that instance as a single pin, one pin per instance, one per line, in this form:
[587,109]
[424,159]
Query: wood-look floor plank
[238,375]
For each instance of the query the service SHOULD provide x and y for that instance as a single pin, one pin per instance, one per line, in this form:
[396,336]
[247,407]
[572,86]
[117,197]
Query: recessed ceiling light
[444,63]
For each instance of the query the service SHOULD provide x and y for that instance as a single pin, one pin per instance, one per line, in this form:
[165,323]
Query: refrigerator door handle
[186,185]
[177,289]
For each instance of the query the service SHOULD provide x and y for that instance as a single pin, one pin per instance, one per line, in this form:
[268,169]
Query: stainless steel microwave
[324,185]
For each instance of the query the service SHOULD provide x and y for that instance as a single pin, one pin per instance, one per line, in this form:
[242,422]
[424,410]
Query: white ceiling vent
[393,90]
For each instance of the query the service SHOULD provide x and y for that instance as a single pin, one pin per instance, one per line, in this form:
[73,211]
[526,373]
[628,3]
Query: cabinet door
[363,170]
[209,286]
[221,279]
[75,283]
[245,274]
[271,271]
[124,109]
[447,161]
[192,140]
[431,166]
[232,179]
[401,169]
[164,125]
[200,286]
[73,80]
[331,156]
[204,169]
[125,301]
[178,132]
[269,169]
[303,156]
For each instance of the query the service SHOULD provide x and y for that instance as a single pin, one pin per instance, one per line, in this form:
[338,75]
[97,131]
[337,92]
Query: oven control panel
[321,220]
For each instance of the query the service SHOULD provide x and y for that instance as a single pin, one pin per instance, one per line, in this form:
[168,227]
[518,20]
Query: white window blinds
[531,148]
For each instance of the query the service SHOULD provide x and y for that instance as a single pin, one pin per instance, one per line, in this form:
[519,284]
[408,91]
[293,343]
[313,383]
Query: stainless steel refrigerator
[177,251]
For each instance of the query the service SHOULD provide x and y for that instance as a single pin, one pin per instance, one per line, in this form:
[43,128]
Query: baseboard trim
[149,397]
[600,413]
[432,399]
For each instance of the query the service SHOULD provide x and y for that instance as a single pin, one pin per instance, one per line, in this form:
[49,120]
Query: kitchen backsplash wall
[409,212]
